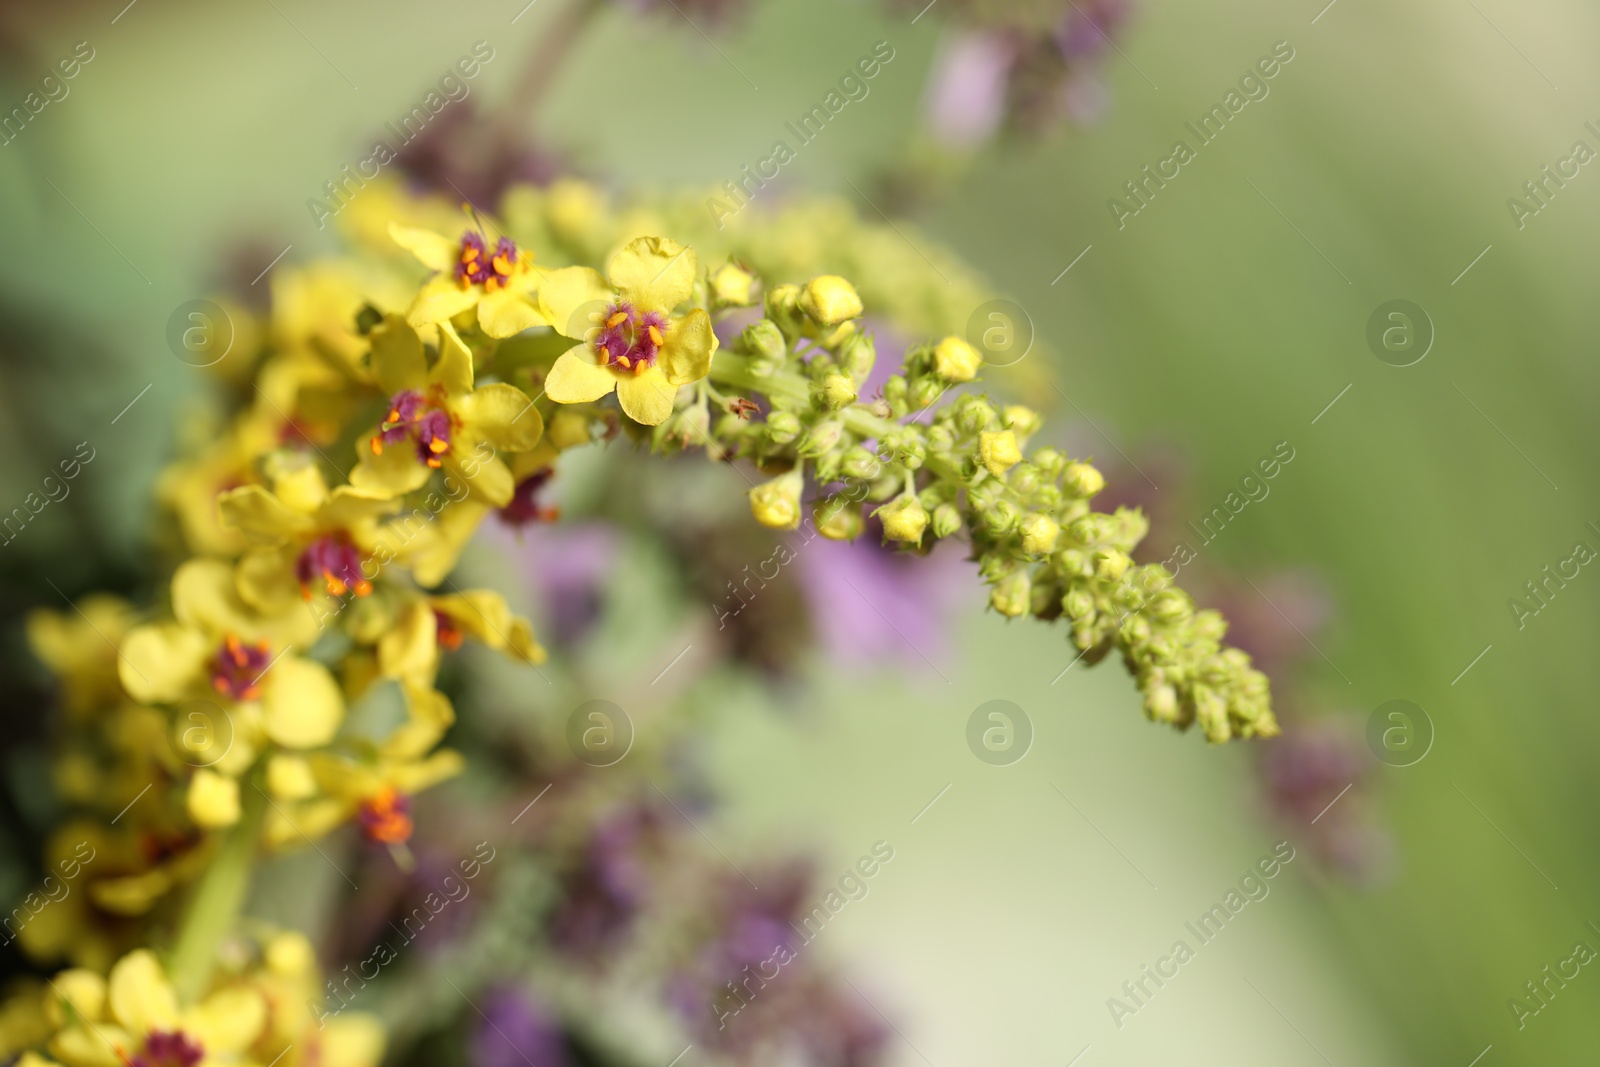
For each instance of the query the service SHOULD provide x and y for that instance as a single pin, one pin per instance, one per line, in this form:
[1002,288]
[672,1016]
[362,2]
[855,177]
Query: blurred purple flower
[516,1031]
[872,604]
[1088,29]
[603,892]
[966,100]
[1315,777]
[566,566]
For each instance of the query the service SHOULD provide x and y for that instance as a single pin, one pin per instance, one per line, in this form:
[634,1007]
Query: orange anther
[618,319]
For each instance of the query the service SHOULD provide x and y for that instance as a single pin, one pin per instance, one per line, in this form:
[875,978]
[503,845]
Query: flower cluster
[287,684]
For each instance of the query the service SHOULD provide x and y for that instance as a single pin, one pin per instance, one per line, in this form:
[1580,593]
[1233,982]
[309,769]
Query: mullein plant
[285,684]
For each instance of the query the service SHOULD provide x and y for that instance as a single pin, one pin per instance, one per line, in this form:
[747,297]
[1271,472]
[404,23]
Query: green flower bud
[1111,565]
[1084,531]
[1044,602]
[857,356]
[1161,703]
[822,437]
[838,518]
[763,340]
[955,360]
[1135,630]
[1022,421]
[946,520]
[1083,479]
[926,391]
[1011,597]
[783,427]
[1078,604]
[940,439]
[732,286]
[903,520]
[1001,518]
[861,464]
[830,300]
[777,503]
[1171,605]
[835,391]
[1039,534]
[895,392]
[1210,626]
[1026,479]
[783,308]
[975,415]
[1211,711]
[1074,563]
[1049,460]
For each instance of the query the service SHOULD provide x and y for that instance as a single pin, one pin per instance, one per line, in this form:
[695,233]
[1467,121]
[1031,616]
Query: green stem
[214,908]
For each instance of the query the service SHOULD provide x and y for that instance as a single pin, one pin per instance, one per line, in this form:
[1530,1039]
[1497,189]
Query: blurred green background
[1225,317]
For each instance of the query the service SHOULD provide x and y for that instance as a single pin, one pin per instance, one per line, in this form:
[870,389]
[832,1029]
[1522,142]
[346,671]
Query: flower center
[525,508]
[168,1048]
[412,417]
[477,265]
[236,671]
[336,562]
[630,338]
[447,632]
[385,817]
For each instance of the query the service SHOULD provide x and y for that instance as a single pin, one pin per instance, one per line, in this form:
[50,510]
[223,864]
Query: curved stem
[214,908]
[544,62]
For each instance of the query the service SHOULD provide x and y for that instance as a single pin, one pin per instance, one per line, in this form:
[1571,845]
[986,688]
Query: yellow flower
[438,420]
[310,539]
[80,649]
[411,648]
[631,342]
[219,647]
[134,1017]
[955,360]
[377,793]
[501,282]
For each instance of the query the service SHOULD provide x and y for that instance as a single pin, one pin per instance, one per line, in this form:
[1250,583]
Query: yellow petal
[266,580]
[574,299]
[412,778]
[290,955]
[260,515]
[654,273]
[206,598]
[398,361]
[132,895]
[352,1040]
[577,379]
[411,649]
[289,778]
[429,715]
[84,991]
[227,1022]
[349,508]
[393,472]
[432,555]
[503,415]
[141,998]
[441,299]
[163,662]
[487,479]
[301,704]
[522,644]
[507,312]
[686,357]
[647,397]
[91,1046]
[478,612]
[212,800]
[436,251]
[297,482]
[454,369]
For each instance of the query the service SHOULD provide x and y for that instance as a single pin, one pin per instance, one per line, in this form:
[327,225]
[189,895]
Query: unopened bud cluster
[930,462]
